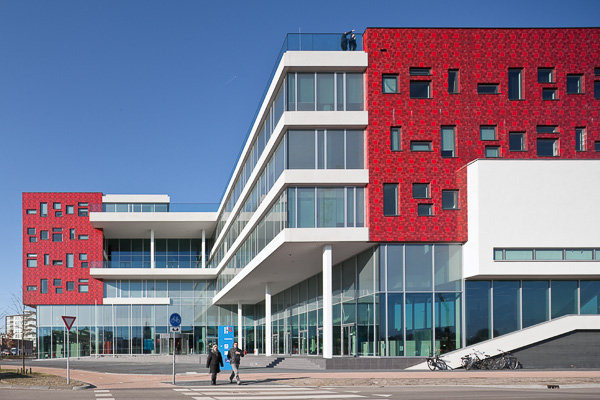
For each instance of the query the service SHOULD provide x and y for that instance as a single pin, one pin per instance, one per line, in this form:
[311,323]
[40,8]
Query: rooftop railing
[150,207]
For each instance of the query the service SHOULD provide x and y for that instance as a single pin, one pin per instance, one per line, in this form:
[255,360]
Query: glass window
[57,262]
[597,90]
[516,141]
[291,92]
[339,91]
[390,199]
[325,92]
[46,259]
[545,75]
[43,209]
[306,207]
[453,81]
[515,84]
[492,151]
[425,210]
[72,233]
[420,89]
[70,261]
[395,302]
[44,286]
[57,229]
[419,320]
[449,199]
[301,149]
[548,254]
[597,71]
[83,256]
[574,84]
[58,214]
[518,254]
[83,288]
[354,92]
[70,286]
[32,239]
[418,267]
[330,207]
[498,254]
[395,139]
[306,92]
[70,210]
[355,149]
[420,146]
[85,265]
[549,94]
[395,267]
[564,298]
[390,83]
[478,311]
[83,237]
[448,141]
[82,212]
[56,206]
[44,235]
[547,147]
[488,88]
[421,190]
[579,139]
[57,282]
[579,254]
[507,309]
[31,288]
[447,267]
[415,71]
[597,146]
[590,297]
[31,231]
[547,129]
[535,302]
[58,290]
[335,149]
[57,237]
[32,263]
[487,132]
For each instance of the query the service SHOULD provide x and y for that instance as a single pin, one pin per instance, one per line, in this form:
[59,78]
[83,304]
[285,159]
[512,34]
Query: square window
[31,212]
[597,148]
[395,139]
[547,147]
[83,289]
[516,141]
[492,151]
[418,71]
[547,129]
[450,199]
[82,212]
[57,262]
[32,288]
[85,265]
[44,235]
[56,206]
[82,256]
[32,263]
[448,141]
[70,209]
[597,90]
[453,81]
[70,286]
[390,83]
[32,239]
[58,214]
[487,132]
[31,231]
[58,282]
[425,210]
[83,237]
[574,84]
[420,190]
[390,199]
[57,237]
[579,139]
[420,146]
[549,94]
[420,89]
[515,84]
[58,290]
[545,75]
[488,88]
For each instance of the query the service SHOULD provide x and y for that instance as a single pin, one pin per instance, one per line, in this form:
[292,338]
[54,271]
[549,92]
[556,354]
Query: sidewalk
[104,380]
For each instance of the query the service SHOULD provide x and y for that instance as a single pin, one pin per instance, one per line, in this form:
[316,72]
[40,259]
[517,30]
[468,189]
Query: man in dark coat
[233,355]
[344,42]
[212,362]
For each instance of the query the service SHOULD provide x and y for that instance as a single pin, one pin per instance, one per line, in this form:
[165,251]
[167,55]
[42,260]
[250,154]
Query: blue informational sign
[226,339]
[175,319]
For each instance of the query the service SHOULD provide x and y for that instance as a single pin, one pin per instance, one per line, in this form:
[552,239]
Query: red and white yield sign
[68,322]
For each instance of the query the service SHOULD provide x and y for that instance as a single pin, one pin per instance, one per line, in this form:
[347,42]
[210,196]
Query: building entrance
[181,343]
[349,340]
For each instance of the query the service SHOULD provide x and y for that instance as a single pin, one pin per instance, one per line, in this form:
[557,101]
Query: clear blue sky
[140,96]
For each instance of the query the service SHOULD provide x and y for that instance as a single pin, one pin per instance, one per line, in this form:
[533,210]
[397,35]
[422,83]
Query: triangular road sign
[68,322]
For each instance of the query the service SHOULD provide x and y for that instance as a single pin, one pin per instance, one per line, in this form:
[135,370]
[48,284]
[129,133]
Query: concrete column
[327,302]
[240,326]
[268,329]
[152,262]
[203,249]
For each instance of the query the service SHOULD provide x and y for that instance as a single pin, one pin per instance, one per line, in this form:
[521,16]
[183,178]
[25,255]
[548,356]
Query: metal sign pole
[174,321]
[68,371]
[173,358]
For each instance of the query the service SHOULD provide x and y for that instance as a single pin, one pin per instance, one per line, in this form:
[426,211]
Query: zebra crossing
[103,394]
[263,392]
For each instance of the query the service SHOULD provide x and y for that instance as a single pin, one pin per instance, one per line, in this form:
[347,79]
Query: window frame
[412,89]
[488,127]
[495,86]
[551,74]
[580,88]
[454,193]
[492,148]
[597,90]
[427,206]
[519,95]
[396,138]
[554,92]
[523,146]
[418,187]
[580,139]
[386,77]
[456,82]
[414,143]
[555,150]
[388,196]
[444,153]
[419,71]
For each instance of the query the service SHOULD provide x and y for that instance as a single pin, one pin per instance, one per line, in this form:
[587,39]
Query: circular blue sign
[175,319]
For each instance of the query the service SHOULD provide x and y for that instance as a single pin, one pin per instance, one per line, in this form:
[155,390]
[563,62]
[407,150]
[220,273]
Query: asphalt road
[277,392]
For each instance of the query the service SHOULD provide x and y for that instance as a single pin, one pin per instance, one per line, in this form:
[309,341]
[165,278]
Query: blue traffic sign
[175,319]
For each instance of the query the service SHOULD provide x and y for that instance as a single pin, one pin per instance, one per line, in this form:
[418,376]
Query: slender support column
[240,326]
[203,249]
[152,262]
[327,303]
[268,330]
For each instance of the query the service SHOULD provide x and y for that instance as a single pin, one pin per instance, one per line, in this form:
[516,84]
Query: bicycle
[506,360]
[434,362]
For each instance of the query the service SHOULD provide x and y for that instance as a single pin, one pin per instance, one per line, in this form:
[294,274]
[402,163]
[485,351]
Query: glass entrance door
[275,344]
[349,340]
[303,345]
[288,343]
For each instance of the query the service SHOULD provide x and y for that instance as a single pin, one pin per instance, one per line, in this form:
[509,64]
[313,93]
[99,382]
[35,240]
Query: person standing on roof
[344,43]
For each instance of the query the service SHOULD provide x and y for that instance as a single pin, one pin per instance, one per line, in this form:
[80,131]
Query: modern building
[434,189]
[15,326]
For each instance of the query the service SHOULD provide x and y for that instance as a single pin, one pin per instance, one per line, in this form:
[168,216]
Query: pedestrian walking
[234,355]
[213,361]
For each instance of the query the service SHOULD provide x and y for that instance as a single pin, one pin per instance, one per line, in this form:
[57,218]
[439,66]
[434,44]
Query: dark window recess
[547,147]
[545,75]
[549,94]
[390,199]
[516,141]
[425,210]
[574,84]
[420,146]
[420,89]
[453,81]
[488,88]
[420,190]
[418,71]
[450,199]
[547,129]
[389,83]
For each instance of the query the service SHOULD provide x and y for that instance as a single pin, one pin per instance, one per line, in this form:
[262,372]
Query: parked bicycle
[480,360]
[505,360]
[434,362]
